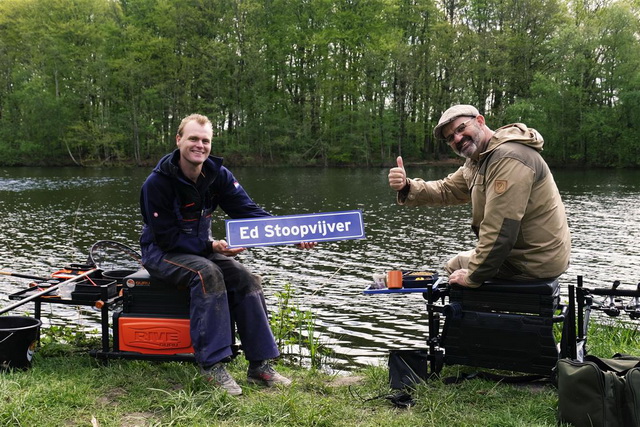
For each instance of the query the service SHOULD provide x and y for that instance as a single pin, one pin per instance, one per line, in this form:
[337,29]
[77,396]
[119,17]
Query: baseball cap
[451,114]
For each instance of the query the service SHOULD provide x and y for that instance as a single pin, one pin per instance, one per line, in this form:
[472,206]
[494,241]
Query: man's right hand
[398,176]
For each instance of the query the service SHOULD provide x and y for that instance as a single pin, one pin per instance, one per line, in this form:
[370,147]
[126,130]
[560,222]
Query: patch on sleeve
[500,186]
[236,184]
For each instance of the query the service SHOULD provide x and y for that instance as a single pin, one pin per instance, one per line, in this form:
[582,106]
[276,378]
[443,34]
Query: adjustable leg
[571,321]
[104,319]
[433,340]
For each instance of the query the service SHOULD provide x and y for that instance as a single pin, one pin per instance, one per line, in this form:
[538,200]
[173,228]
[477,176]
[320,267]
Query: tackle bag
[407,368]
[599,392]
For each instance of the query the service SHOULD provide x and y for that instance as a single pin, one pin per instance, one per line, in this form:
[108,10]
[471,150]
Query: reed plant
[294,329]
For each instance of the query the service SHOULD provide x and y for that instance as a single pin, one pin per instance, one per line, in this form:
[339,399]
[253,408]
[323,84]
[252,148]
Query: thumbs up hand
[398,176]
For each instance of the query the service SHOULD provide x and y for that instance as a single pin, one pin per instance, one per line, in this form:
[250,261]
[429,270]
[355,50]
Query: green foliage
[318,82]
[58,340]
[294,330]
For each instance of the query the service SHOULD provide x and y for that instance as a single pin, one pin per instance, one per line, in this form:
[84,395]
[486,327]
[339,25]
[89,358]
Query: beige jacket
[517,213]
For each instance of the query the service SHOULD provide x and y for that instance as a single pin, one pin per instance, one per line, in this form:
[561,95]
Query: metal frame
[104,307]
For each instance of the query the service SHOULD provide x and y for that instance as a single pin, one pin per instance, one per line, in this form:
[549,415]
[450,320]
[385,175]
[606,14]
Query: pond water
[51,216]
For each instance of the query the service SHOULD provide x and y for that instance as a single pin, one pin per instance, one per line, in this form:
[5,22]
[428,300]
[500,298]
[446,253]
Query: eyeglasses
[457,131]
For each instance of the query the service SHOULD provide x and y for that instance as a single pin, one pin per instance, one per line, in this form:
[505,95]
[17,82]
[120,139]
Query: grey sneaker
[266,375]
[218,375]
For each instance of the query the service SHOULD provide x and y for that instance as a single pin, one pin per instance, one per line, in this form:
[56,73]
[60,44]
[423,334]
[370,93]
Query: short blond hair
[199,118]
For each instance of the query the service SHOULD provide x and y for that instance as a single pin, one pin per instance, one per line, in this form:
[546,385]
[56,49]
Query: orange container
[394,279]
[154,335]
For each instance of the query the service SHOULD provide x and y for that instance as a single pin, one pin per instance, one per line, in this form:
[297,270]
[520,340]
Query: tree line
[314,82]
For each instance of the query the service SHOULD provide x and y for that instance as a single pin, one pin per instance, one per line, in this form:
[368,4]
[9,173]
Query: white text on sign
[275,230]
[321,228]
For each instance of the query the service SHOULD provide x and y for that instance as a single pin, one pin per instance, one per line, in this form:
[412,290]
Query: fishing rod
[24,276]
[48,290]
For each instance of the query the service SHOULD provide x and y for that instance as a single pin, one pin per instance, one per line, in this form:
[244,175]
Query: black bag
[599,392]
[407,368]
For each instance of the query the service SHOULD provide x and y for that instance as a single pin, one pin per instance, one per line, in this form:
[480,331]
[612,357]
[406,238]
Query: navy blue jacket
[177,212]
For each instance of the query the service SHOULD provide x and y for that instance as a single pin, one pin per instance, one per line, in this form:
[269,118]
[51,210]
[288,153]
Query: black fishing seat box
[154,318]
[503,325]
[144,294]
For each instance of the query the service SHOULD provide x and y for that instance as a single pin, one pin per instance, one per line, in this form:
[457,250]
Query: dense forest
[314,82]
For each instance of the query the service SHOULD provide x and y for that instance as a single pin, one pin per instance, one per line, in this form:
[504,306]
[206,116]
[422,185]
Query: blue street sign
[282,230]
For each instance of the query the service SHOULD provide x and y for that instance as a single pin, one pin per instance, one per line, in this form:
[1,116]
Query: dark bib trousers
[222,291]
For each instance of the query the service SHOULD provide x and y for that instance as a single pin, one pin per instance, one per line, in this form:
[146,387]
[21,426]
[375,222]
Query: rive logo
[155,336]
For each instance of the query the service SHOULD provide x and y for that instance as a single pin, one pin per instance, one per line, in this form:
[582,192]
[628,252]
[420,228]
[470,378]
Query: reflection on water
[50,217]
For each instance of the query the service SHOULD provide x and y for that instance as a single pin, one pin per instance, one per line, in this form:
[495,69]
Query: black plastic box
[94,290]
[419,279]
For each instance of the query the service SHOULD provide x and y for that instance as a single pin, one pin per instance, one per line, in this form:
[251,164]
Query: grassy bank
[68,391]
[69,388]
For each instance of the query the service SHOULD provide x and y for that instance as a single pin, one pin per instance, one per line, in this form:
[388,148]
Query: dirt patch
[346,381]
[137,419]
[111,397]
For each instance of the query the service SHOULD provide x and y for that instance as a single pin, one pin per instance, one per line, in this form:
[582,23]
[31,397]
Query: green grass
[68,391]
[73,389]
[611,335]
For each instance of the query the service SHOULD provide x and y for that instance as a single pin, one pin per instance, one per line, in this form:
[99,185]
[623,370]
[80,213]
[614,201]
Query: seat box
[151,334]
[144,294]
[503,325]
[155,300]
[539,298]
[501,341]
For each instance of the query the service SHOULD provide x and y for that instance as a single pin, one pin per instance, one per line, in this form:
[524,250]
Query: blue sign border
[316,221]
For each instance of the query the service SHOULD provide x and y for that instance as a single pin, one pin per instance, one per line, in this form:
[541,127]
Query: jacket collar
[169,166]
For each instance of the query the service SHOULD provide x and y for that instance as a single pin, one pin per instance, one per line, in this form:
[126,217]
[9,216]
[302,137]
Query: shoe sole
[231,393]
